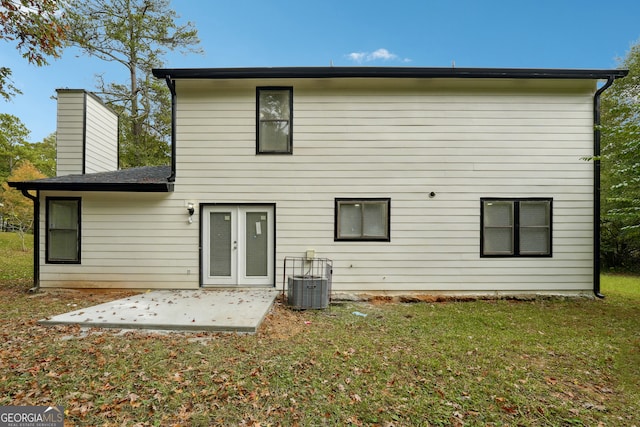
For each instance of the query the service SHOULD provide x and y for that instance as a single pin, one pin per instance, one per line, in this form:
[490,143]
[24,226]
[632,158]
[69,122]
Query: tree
[43,155]
[620,184]
[135,34]
[17,210]
[153,143]
[13,143]
[34,25]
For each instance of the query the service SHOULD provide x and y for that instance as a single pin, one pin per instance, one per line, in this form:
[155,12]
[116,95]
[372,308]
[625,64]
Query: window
[274,120]
[63,230]
[515,227]
[362,219]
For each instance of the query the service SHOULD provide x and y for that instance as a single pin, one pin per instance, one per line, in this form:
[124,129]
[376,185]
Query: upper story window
[515,227]
[274,120]
[362,219]
[63,230]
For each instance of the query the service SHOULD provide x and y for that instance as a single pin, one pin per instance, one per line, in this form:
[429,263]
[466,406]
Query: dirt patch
[283,323]
[380,299]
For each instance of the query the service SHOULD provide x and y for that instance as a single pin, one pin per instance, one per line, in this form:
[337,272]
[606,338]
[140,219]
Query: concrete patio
[225,310]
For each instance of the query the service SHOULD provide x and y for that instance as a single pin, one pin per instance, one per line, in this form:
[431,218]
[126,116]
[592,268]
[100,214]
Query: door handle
[235,245]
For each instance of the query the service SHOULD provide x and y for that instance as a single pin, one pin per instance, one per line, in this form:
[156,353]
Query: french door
[238,245]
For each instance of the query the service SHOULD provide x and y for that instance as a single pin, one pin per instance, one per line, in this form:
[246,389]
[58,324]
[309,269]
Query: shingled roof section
[149,179]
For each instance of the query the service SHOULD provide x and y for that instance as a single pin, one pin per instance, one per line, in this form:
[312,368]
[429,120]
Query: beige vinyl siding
[129,240]
[101,138]
[462,139]
[353,139]
[69,132]
[87,134]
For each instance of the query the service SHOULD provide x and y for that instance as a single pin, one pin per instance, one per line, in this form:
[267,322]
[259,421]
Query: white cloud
[381,54]
[357,56]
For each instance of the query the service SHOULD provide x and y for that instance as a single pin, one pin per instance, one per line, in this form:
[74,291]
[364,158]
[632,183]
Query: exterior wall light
[191,210]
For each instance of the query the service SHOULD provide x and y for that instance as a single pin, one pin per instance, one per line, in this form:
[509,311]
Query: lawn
[546,362]
[16,267]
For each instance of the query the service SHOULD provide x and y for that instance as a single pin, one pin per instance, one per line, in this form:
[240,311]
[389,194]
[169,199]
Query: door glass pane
[220,241]
[256,244]
[374,219]
[350,220]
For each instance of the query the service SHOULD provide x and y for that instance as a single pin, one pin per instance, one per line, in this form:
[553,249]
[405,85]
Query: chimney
[86,135]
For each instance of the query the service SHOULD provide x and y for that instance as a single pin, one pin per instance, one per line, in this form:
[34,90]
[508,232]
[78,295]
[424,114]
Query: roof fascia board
[385,72]
[112,187]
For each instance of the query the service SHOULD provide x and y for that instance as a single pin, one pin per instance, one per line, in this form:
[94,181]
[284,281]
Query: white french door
[238,245]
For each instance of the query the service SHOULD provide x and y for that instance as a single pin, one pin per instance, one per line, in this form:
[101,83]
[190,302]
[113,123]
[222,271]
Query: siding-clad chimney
[87,134]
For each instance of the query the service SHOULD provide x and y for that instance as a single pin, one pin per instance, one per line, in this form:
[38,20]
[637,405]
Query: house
[411,180]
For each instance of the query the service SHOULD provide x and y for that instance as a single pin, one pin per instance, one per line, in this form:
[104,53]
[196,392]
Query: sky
[411,33]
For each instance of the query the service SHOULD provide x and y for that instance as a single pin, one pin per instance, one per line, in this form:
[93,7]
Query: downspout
[596,187]
[172,88]
[36,239]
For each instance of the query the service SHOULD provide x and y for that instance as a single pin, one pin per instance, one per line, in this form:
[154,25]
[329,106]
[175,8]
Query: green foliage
[620,161]
[153,143]
[21,160]
[43,155]
[13,143]
[17,210]
[135,34]
[34,26]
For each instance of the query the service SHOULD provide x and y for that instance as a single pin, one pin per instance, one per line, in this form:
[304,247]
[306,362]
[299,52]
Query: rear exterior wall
[461,139]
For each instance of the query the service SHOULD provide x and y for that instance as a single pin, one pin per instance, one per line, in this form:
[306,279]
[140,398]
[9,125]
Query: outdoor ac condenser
[308,282]
[308,292]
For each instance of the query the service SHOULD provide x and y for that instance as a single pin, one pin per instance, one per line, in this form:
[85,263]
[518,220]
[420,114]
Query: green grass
[547,362]
[16,266]
[620,284]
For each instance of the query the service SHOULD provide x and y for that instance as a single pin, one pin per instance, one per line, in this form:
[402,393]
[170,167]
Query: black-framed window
[362,219]
[63,230]
[516,227]
[274,120]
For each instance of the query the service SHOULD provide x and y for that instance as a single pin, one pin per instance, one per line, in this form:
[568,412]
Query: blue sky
[248,33]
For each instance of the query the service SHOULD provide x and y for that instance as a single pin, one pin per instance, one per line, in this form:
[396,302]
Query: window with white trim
[516,227]
[362,219]
[274,120]
[63,230]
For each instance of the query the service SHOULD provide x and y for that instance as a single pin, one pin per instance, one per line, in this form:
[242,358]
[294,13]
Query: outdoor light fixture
[191,210]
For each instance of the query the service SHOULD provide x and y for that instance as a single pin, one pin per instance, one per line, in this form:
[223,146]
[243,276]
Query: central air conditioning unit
[308,282]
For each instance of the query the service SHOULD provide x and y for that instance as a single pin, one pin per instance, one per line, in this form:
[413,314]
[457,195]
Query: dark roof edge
[385,72]
[94,186]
